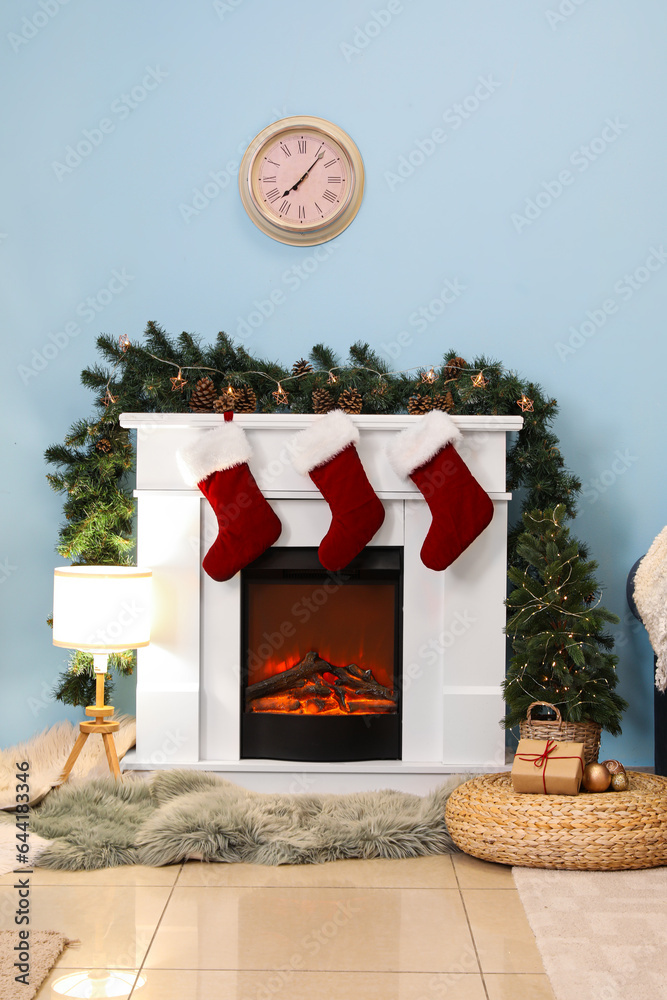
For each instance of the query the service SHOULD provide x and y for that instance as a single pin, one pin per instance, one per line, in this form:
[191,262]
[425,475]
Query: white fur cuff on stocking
[323,440]
[214,451]
[417,445]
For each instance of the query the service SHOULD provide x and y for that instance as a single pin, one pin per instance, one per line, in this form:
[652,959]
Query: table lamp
[100,610]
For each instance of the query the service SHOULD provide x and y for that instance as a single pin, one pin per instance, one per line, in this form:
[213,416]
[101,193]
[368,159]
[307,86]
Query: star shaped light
[525,403]
[280,396]
[178,383]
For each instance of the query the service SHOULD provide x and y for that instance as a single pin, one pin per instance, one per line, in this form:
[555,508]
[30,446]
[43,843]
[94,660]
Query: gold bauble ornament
[614,766]
[596,778]
[619,782]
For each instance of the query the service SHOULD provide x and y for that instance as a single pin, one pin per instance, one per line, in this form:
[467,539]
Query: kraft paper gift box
[548,767]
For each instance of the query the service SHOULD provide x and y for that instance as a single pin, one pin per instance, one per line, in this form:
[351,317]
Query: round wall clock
[302,180]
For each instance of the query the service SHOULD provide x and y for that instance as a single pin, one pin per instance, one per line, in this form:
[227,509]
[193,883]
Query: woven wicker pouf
[596,832]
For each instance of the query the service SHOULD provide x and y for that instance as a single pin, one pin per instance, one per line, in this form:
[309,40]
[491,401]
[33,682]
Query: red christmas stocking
[461,509]
[326,452]
[218,464]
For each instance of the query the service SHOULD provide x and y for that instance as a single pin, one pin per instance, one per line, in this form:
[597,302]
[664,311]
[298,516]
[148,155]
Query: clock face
[301,180]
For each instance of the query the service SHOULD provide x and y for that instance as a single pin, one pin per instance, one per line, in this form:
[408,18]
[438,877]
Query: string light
[280,396]
[178,383]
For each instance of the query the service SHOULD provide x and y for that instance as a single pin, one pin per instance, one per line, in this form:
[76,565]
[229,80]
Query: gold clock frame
[285,231]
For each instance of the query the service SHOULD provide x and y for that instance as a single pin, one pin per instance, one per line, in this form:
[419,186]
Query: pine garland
[96,461]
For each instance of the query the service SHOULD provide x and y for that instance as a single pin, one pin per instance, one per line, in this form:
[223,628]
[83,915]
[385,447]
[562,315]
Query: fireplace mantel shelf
[301,494]
[297,421]
[453,646]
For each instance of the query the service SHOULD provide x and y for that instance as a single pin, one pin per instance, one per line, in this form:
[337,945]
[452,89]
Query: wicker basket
[587,733]
[591,831]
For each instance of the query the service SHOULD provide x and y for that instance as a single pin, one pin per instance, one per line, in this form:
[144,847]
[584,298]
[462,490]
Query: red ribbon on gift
[542,759]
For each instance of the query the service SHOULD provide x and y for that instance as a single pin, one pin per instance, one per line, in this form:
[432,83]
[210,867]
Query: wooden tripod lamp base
[100,711]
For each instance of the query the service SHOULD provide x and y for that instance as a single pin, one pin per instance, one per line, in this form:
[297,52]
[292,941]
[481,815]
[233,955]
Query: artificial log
[312,691]
[370,706]
[275,705]
[305,678]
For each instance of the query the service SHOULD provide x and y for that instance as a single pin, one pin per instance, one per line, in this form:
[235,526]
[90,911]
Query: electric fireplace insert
[321,657]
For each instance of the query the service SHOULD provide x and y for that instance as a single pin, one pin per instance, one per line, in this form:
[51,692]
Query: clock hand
[295,186]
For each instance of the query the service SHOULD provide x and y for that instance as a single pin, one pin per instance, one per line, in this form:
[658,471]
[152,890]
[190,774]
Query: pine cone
[103,446]
[454,367]
[245,400]
[323,401]
[350,401]
[224,403]
[203,396]
[302,368]
[443,401]
[419,404]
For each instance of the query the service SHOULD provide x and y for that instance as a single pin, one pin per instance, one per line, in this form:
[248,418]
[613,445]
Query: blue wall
[545,201]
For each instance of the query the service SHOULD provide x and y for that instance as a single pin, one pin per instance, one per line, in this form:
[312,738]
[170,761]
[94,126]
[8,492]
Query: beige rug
[45,947]
[47,752]
[602,935]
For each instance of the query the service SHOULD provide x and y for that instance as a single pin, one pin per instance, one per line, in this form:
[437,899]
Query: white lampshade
[101,609]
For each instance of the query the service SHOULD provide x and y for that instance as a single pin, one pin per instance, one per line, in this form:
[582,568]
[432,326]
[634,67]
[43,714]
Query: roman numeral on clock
[269,180]
[333,180]
[285,207]
[330,163]
[302,145]
[273,195]
[285,149]
[329,196]
[302,212]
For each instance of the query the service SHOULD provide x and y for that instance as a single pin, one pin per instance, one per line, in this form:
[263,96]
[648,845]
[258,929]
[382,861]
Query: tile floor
[420,929]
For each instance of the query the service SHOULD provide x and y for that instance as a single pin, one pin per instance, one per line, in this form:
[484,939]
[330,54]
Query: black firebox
[321,657]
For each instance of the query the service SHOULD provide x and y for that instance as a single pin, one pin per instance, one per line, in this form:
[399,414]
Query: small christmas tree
[561,653]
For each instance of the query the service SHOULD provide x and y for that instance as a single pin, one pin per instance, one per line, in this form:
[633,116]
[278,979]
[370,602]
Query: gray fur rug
[196,815]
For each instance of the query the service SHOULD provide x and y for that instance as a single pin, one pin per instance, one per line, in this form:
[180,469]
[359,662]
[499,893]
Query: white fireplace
[189,679]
